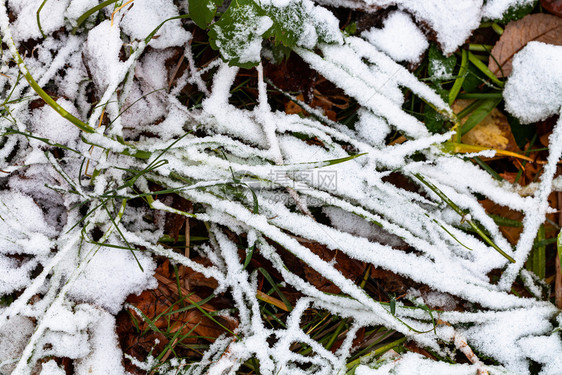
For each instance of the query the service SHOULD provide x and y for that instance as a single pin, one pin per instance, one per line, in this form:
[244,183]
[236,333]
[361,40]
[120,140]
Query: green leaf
[293,25]
[238,33]
[280,52]
[484,108]
[288,23]
[89,12]
[473,79]
[440,68]
[463,71]
[484,69]
[516,12]
[202,12]
[434,122]
[249,255]
[351,29]
[536,262]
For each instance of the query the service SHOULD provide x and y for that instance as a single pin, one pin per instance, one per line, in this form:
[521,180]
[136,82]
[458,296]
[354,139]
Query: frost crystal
[82,217]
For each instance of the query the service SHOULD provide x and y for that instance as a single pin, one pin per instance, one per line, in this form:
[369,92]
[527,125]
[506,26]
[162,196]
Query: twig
[175,72]
[462,345]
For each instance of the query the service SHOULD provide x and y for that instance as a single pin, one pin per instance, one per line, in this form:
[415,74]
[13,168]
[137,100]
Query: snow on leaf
[534,27]
[525,98]
[238,34]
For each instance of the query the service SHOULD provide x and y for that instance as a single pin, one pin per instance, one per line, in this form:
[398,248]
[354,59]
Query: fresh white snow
[70,286]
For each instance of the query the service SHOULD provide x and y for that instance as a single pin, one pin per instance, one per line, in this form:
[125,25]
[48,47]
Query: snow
[69,284]
[245,42]
[106,357]
[13,338]
[373,129]
[453,22]
[400,38]
[144,16]
[51,368]
[102,54]
[350,223]
[552,363]
[439,14]
[77,8]
[47,123]
[495,9]
[111,276]
[25,26]
[534,90]
[416,364]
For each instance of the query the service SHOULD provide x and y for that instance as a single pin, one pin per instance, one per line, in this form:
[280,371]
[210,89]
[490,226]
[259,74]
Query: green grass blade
[377,352]
[481,95]
[505,222]
[249,256]
[10,131]
[484,69]
[487,168]
[537,262]
[458,210]
[452,235]
[39,19]
[334,336]
[147,39]
[327,163]
[50,101]
[485,107]
[468,110]
[115,224]
[277,290]
[460,78]
[91,11]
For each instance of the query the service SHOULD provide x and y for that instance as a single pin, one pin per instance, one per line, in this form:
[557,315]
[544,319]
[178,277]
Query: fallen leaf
[292,108]
[390,282]
[553,6]
[510,177]
[544,129]
[192,279]
[359,338]
[493,131]
[292,74]
[511,233]
[350,268]
[413,347]
[161,306]
[534,27]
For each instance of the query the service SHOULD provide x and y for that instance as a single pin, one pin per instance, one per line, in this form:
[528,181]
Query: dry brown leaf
[534,27]
[192,279]
[553,6]
[493,132]
[292,108]
[350,268]
[511,233]
[510,177]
